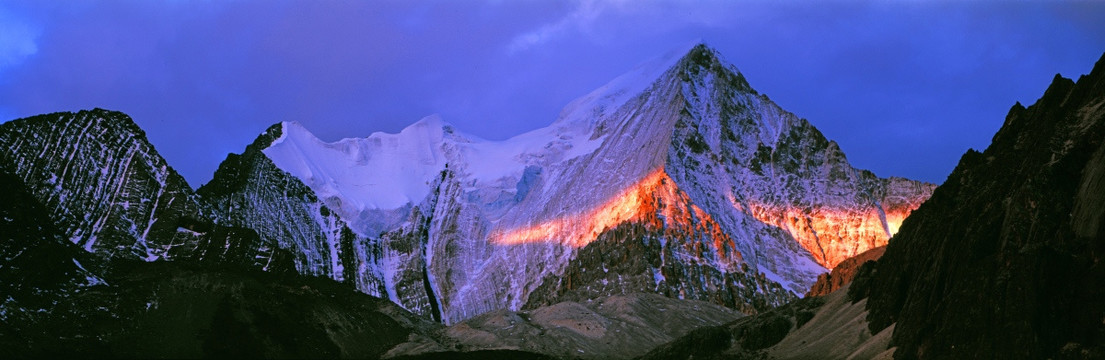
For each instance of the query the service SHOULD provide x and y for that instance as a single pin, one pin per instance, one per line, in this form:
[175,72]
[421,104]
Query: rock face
[39,266]
[1005,259]
[843,273]
[249,190]
[109,191]
[677,178]
[60,301]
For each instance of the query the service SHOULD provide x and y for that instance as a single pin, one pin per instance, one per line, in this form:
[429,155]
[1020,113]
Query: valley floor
[827,327]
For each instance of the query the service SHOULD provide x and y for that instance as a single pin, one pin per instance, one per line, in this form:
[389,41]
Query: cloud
[17,39]
[585,13]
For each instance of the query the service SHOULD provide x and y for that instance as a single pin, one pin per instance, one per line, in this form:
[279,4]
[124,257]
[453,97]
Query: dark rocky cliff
[108,190]
[1005,259]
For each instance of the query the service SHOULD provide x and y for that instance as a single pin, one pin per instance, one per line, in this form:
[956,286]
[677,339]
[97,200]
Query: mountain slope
[823,327]
[1005,260]
[39,266]
[180,309]
[844,272]
[248,190]
[615,327]
[109,191]
[62,300]
[733,200]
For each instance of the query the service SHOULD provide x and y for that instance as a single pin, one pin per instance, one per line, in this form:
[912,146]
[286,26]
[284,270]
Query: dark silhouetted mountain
[1006,259]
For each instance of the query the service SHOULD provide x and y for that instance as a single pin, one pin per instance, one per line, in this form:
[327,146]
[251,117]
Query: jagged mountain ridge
[110,192]
[248,189]
[737,193]
[1005,260]
[61,301]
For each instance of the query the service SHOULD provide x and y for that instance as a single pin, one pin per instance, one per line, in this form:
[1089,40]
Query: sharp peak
[700,46]
[112,119]
[688,59]
[696,51]
[274,132]
[284,127]
[697,48]
[683,62]
[291,124]
[702,54]
[695,45]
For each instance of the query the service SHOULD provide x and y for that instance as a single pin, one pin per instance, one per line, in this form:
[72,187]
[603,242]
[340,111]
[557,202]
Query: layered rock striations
[249,190]
[108,191]
[1005,259]
[39,267]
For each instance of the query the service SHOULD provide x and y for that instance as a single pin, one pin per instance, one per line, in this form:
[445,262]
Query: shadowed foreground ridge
[1005,259]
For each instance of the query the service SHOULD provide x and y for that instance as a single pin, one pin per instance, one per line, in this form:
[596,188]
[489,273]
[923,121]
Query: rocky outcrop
[843,273]
[108,191]
[1005,259]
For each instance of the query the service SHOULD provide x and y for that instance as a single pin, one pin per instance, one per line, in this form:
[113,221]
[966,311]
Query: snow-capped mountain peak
[746,201]
[600,103]
[382,171]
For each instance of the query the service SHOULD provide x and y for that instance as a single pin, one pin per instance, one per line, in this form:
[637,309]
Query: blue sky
[905,87]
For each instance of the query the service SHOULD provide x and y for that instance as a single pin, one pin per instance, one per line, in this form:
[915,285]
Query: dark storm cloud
[905,88]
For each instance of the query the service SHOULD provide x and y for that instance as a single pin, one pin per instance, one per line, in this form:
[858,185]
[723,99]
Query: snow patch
[93,280]
[188,231]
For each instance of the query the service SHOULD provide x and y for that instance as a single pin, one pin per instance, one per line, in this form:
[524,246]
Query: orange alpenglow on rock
[655,201]
[830,234]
